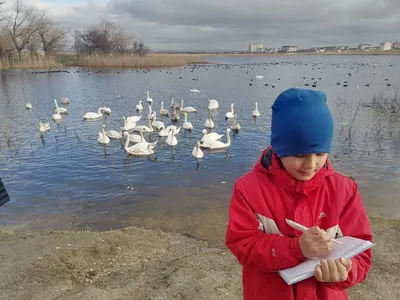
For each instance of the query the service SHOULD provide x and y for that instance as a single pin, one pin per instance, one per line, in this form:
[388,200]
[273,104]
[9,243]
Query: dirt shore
[135,263]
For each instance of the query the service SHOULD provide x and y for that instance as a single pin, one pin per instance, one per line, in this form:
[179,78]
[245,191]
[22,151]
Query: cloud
[233,24]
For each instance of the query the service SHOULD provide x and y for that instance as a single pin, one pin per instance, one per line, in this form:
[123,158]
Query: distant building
[256,48]
[289,49]
[396,45]
[363,47]
[385,46]
[271,50]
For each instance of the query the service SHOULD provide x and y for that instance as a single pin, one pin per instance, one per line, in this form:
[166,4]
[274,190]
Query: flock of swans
[134,133]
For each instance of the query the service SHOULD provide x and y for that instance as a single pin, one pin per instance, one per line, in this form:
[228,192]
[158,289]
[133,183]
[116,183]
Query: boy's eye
[320,154]
[299,155]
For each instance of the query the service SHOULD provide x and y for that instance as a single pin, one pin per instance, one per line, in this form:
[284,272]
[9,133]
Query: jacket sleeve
[3,194]
[354,222]
[251,246]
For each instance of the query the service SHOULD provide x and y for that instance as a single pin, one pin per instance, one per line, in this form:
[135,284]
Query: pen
[303,228]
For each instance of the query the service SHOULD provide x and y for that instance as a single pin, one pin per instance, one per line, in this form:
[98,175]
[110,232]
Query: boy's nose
[309,162]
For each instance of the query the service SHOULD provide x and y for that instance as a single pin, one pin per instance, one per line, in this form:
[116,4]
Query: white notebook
[352,247]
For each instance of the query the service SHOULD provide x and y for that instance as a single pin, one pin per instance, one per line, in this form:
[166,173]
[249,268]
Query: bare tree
[51,37]
[107,38]
[22,24]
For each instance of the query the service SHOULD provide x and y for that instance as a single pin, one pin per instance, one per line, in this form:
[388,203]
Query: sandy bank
[136,263]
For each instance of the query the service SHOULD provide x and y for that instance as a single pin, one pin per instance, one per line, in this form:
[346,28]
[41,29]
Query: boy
[293,179]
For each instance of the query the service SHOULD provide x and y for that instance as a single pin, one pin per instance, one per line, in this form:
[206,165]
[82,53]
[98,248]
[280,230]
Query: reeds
[28,62]
[136,61]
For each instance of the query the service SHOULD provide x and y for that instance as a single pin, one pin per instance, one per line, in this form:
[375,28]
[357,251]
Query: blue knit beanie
[301,123]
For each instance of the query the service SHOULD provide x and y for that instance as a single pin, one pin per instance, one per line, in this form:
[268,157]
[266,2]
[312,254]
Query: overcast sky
[233,24]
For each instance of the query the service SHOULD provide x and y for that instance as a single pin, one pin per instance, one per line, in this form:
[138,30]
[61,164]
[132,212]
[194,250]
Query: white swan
[139,107]
[163,111]
[28,105]
[158,125]
[43,127]
[164,132]
[210,137]
[135,138]
[102,137]
[171,139]
[194,91]
[61,110]
[212,104]
[151,114]
[187,125]
[230,114]
[144,128]
[148,99]
[172,102]
[256,113]
[188,108]
[235,125]
[93,115]
[65,100]
[56,116]
[113,134]
[259,76]
[140,149]
[197,153]
[218,144]
[209,123]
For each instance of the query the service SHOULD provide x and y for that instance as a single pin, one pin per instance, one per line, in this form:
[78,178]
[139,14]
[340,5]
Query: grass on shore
[28,62]
[135,61]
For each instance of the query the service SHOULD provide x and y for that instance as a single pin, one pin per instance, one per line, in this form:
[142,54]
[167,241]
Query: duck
[102,137]
[212,104]
[197,152]
[210,137]
[43,127]
[187,125]
[235,125]
[230,114]
[171,139]
[139,107]
[28,105]
[148,99]
[255,112]
[187,109]
[215,145]
[194,91]
[163,111]
[209,123]
[93,115]
[65,100]
[56,116]
[113,134]
[61,110]
[259,76]
[164,132]
[144,128]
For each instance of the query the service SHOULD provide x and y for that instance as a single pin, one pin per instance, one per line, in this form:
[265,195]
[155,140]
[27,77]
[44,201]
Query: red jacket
[259,237]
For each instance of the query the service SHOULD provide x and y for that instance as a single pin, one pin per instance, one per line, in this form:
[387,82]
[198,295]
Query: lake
[65,178]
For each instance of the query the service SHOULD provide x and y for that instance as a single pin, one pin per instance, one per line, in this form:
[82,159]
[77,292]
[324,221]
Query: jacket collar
[270,164]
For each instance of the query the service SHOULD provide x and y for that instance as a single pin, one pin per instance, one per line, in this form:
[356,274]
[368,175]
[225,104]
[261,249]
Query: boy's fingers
[318,273]
[314,230]
[347,263]
[341,269]
[325,270]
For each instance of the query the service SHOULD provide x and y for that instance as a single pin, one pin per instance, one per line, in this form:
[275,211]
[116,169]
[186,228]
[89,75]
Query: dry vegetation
[136,61]
[136,263]
[28,62]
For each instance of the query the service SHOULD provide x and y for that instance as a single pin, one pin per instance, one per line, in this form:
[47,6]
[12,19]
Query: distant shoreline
[301,53]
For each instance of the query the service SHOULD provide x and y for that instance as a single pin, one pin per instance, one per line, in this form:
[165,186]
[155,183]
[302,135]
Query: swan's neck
[185,118]
[162,105]
[232,108]
[141,136]
[228,138]
[99,111]
[148,94]
[127,142]
[181,103]
[256,105]
[172,100]
[150,126]
[150,110]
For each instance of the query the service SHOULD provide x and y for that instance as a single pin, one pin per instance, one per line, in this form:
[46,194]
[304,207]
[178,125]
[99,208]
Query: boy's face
[305,166]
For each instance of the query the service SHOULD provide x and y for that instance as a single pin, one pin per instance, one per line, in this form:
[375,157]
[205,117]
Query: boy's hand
[333,270]
[315,242]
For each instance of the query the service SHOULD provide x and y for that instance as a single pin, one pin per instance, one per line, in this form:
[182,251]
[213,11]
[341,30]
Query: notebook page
[352,246]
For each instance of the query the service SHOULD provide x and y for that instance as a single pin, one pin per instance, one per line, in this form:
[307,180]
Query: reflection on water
[66,174]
